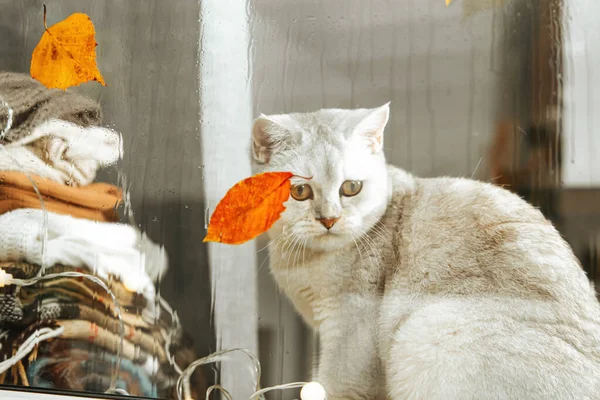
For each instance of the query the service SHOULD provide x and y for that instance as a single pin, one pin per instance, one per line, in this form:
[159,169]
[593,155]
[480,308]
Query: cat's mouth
[325,234]
[329,240]
[331,233]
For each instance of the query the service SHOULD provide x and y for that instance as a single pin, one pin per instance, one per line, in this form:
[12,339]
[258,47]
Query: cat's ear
[268,134]
[371,127]
[261,144]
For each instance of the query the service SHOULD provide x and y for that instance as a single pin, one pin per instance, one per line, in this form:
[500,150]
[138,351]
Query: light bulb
[5,278]
[130,285]
[313,391]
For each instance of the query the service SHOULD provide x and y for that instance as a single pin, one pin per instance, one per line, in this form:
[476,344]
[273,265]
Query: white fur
[425,288]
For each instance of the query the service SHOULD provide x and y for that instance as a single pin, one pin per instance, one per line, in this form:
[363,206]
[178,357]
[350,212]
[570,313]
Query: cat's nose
[328,222]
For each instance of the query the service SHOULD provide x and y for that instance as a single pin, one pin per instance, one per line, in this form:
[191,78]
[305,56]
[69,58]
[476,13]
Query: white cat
[422,288]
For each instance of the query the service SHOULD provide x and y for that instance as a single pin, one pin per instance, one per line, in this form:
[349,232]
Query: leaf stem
[45,27]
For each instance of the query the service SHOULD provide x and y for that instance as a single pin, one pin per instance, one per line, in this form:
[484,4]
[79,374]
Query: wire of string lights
[310,390]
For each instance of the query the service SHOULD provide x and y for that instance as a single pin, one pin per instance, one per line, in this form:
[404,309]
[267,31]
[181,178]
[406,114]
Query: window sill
[18,393]
[15,395]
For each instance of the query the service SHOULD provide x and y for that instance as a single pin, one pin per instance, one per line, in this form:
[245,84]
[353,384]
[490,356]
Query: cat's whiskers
[287,243]
[378,228]
[292,248]
[358,248]
[373,256]
[376,254]
[267,245]
[272,245]
[301,242]
[300,245]
[379,233]
[364,238]
[295,239]
[301,252]
[362,243]
[306,238]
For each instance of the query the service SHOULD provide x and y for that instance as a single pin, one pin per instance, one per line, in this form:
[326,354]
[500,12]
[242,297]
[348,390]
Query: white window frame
[581,121]
[225,126]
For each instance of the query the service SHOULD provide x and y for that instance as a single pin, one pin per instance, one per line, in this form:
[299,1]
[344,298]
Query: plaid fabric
[11,309]
[23,270]
[79,360]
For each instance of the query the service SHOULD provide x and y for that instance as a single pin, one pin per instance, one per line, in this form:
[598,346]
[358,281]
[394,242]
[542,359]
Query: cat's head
[340,188]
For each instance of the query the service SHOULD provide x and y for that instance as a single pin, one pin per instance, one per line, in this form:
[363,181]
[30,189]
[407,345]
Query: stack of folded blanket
[54,218]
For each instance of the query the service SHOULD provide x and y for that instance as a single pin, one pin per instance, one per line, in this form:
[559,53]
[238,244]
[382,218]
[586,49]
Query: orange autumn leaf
[66,54]
[249,208]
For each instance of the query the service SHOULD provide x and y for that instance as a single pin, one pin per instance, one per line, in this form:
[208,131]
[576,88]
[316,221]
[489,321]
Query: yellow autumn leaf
[66,54]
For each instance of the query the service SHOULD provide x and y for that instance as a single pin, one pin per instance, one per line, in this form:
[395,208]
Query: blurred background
[497,90]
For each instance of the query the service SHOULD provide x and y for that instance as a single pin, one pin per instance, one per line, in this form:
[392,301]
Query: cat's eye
[301,192]
[351,188]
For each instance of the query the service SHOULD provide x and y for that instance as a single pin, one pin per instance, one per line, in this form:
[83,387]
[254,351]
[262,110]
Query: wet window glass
[129,268]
